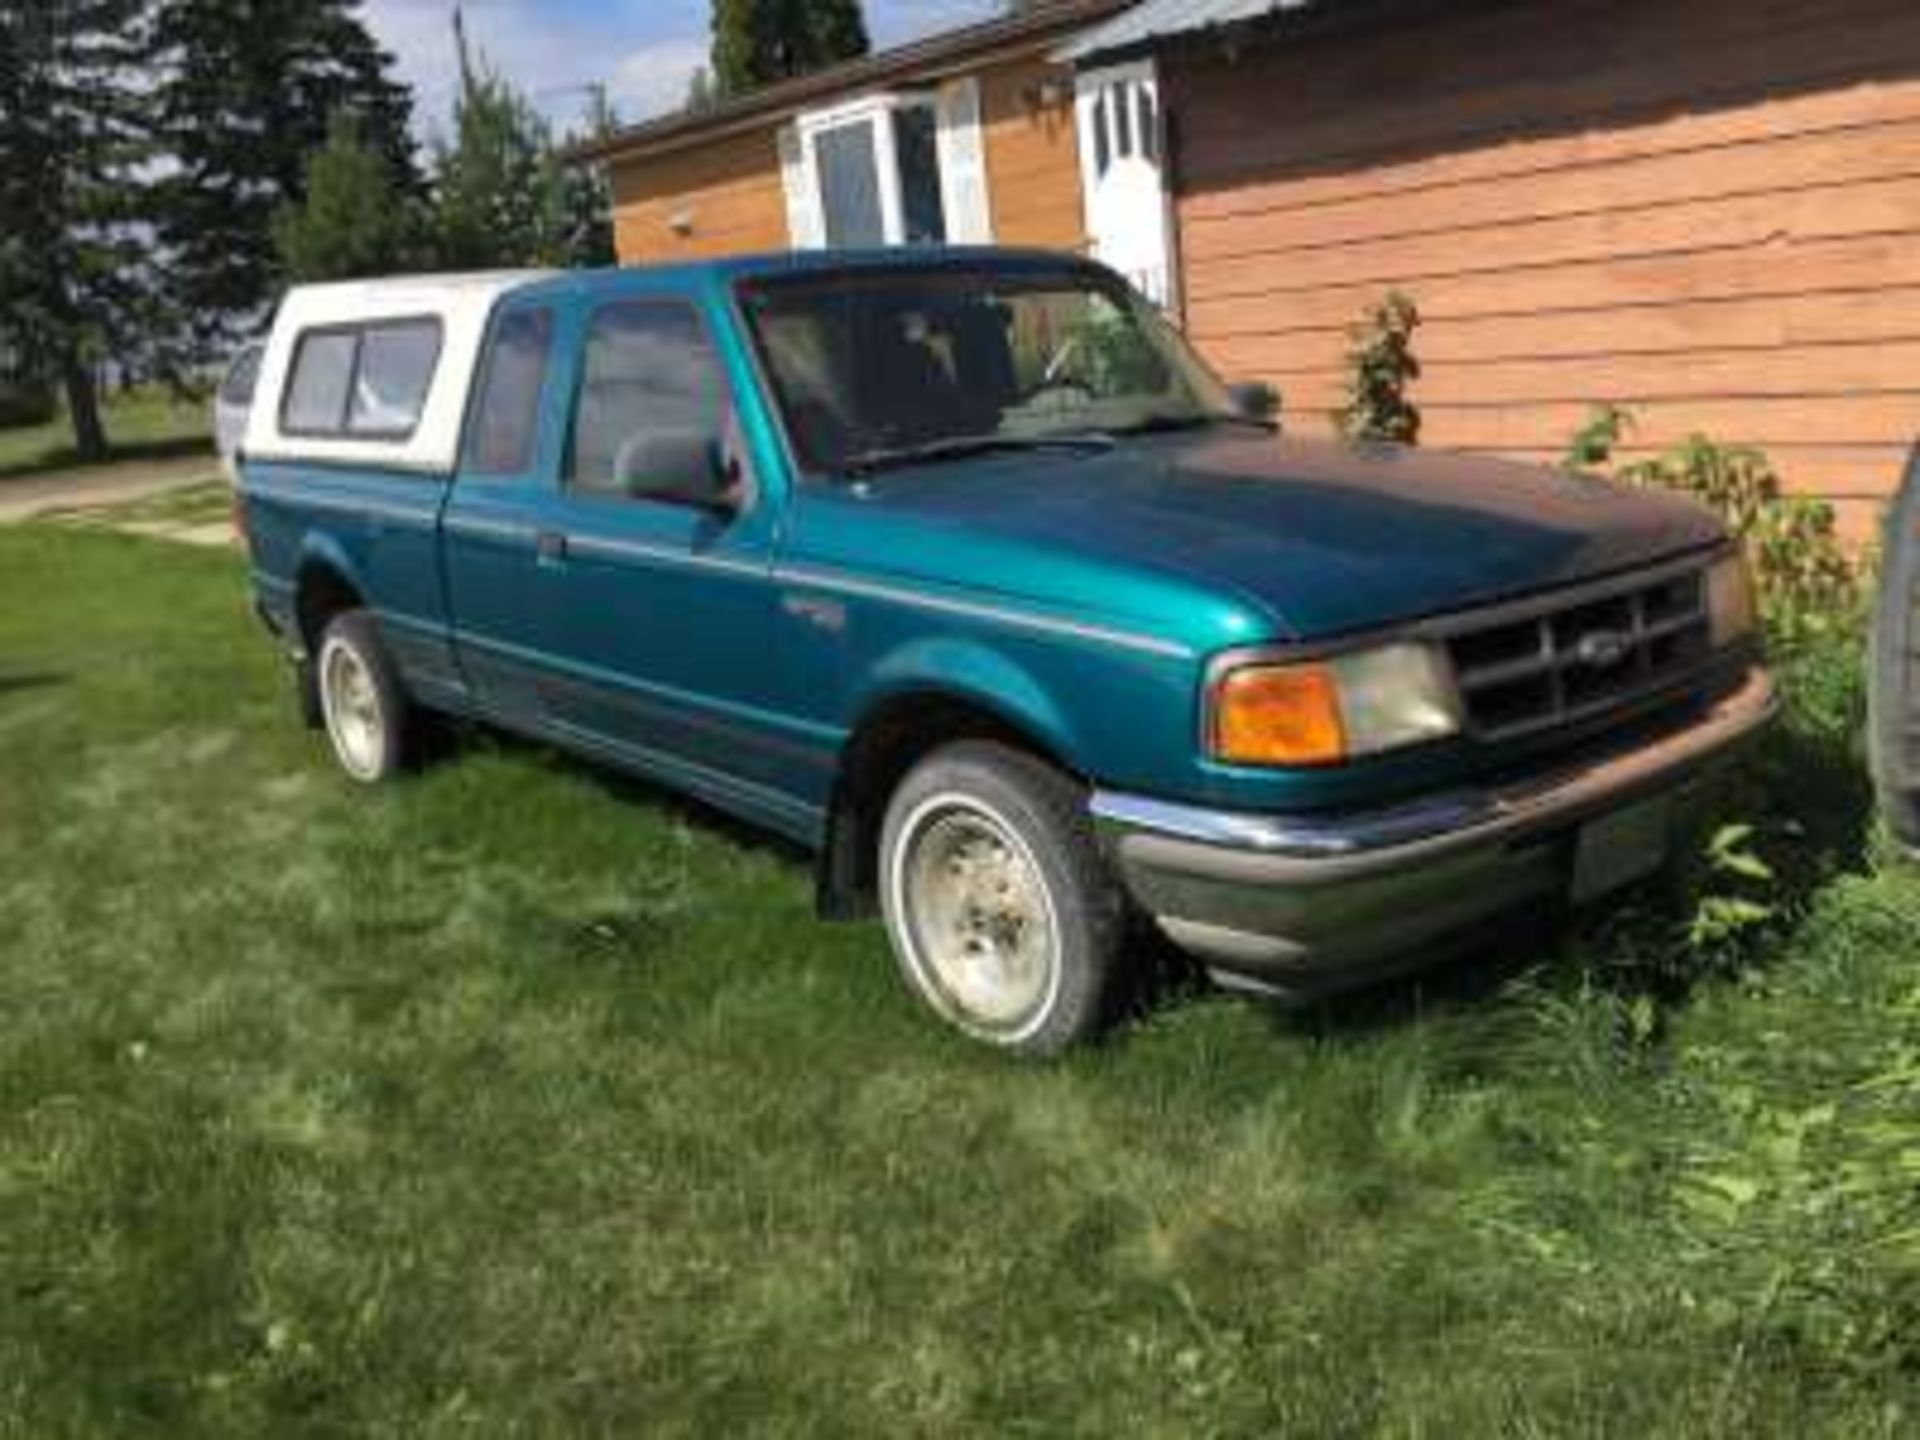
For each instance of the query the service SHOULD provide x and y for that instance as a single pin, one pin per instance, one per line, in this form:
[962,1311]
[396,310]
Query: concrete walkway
[100,486]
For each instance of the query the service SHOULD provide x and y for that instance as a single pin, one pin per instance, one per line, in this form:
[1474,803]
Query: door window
[650,370]
[1149,126]
[506,416]
[1123,120]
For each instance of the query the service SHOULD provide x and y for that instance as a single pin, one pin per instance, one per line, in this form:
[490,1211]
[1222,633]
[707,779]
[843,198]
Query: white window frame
[965,201]
[878,110]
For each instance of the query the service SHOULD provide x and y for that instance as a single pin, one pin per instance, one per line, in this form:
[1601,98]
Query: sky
[644,51]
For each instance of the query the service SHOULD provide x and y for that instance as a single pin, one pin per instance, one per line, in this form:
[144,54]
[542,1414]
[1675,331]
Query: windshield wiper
[959,447]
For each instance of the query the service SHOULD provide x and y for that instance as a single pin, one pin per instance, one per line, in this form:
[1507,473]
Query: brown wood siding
[1708,212]
[728,191]
[1033,157]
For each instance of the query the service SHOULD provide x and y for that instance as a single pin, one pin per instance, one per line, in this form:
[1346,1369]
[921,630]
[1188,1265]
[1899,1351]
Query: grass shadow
[628,788]
[65,457]
[33,680]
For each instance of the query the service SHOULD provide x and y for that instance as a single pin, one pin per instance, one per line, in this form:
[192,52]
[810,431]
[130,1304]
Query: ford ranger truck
[961,570]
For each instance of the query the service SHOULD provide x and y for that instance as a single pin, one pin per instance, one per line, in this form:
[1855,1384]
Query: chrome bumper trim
[1463,816]
[1307,905]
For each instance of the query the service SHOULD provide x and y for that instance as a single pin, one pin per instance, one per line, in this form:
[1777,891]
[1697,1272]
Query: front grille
[1532,668]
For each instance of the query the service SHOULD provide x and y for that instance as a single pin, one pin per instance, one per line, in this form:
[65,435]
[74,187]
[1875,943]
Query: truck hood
[1324,538]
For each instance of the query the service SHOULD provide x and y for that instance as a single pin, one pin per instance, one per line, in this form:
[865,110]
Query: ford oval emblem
[1603,649]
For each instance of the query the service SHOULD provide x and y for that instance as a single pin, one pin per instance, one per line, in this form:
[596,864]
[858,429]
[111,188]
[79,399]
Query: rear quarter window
[506,412]
[361,382]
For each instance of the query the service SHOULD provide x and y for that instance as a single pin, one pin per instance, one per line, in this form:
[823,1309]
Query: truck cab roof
[394,360]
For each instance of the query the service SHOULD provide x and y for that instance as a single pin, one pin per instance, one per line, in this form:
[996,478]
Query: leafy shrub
[1381,366]
[1593,444]
[1808,585]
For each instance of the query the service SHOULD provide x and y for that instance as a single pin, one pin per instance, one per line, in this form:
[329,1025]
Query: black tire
[1894,684]
[371,733]
[1035,820]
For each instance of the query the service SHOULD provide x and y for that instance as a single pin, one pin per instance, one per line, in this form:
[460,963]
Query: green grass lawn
[517,1099]
[147,423]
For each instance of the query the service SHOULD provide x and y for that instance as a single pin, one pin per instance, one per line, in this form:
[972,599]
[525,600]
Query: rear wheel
[367,718]
[1895,682]
[1002,915]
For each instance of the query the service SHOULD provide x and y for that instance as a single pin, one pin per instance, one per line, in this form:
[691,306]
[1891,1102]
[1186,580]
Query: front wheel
[1002,914]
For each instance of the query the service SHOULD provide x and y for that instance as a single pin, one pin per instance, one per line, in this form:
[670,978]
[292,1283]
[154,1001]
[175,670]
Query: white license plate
[1618,849]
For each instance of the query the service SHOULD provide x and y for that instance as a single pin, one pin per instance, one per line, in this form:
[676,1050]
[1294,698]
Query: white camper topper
[406,351]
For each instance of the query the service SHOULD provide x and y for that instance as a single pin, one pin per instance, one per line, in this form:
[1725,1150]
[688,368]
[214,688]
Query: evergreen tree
[758,42]
[502,195]
[588,241]
[75,292]
[499,201]
[353,221]
[702,91]
[249,90]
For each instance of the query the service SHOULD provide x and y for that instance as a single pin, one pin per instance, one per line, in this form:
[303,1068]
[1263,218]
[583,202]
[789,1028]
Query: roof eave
[937,57]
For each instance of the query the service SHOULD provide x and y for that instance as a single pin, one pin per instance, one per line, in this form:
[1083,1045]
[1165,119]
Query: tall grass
[519,1099]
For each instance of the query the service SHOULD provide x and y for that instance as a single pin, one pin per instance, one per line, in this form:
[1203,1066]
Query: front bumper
[1309,904]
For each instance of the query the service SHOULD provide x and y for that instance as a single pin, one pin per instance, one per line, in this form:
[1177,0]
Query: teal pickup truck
[961,570]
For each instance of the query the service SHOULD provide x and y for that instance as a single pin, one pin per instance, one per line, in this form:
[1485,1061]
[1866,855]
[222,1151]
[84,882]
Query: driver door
[658,593]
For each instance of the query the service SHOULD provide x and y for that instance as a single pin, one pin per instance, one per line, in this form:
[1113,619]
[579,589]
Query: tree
[353,221]
[75,291]
[702,91]
[249,92]
[502,195]
[758,42]
[588,241]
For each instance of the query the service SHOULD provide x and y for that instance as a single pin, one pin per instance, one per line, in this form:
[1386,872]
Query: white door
[1123,175]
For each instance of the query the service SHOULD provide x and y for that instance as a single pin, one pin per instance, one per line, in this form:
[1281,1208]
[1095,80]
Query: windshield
[875,366]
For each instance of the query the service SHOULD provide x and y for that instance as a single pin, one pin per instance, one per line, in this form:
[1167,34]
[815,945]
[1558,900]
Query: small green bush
[1809,586]
[1381,366]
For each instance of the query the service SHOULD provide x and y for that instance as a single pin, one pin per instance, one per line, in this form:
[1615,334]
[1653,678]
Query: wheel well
[898,735]
[322,593]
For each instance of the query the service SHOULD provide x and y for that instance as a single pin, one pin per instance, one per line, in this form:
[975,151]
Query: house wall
[1033,157]
[729,188]
[1708,212]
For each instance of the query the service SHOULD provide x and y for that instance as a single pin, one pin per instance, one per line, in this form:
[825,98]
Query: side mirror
[681,467]
[1256,400]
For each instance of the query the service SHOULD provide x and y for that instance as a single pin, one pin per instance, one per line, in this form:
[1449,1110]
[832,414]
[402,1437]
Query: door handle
[550,547]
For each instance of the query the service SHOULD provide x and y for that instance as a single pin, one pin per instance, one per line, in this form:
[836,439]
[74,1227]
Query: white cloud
[644,51]
[654,80]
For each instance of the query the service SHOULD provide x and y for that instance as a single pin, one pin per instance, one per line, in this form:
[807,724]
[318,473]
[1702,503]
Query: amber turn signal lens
[1279,715]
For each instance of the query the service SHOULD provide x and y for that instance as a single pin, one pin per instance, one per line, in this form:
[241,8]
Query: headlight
[1326,712]
[1731,610]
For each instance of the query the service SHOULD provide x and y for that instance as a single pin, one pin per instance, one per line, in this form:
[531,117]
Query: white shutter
[963,165]
[806,226]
